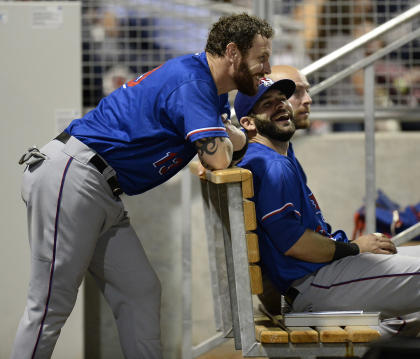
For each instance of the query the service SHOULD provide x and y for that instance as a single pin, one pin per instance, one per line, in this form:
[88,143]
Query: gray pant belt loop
[99,163]
[291,295]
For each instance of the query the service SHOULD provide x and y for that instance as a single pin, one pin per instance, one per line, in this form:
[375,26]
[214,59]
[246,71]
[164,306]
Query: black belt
[99,163]
[290,295]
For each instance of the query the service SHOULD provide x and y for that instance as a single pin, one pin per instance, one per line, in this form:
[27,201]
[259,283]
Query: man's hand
[375,243]
[236,136]
[200,169]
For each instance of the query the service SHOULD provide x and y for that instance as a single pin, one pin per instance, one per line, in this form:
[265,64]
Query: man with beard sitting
[315,268]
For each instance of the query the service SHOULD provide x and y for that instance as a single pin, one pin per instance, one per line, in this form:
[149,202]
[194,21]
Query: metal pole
[261,8]
[241,266]
[209,344]
[369,102]
[230,261]
[186,265]
[406,235]
[269,12]
[215,233]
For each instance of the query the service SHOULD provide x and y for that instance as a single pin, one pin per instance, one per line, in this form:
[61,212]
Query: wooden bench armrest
[228,175]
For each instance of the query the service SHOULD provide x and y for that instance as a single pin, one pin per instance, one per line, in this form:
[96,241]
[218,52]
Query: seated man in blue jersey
[315,268]
[301,102]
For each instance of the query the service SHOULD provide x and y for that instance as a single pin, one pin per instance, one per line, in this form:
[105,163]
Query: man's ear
[247,123]
[232,52]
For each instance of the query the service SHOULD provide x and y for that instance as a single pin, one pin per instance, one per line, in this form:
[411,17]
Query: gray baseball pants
[76,224]
[389,284]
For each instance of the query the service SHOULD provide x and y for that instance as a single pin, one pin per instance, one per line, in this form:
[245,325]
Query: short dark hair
[240,29]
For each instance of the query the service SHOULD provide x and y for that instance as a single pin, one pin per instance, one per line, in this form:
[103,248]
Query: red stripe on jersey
[189,134]
[279,210]
[141,78]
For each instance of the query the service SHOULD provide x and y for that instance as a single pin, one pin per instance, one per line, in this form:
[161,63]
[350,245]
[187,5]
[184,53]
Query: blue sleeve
[340,236]
[224,103]
[196,110]
[279,205]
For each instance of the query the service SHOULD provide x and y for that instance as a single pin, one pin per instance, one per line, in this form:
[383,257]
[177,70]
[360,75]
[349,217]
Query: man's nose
[267,68]
[307,99]
[281,103]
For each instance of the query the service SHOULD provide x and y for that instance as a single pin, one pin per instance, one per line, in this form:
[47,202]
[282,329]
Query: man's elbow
[217,163]
[215,153]
[291,252]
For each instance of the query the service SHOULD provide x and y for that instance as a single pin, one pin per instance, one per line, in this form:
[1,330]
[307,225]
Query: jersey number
[167,162]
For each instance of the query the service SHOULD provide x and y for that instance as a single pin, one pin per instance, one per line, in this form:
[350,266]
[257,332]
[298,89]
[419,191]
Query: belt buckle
[117,191]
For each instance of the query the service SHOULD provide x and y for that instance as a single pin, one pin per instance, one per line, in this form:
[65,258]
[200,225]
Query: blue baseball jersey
[285,208]
[145,129]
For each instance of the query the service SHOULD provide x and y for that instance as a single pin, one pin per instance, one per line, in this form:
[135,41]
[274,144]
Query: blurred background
[126,37]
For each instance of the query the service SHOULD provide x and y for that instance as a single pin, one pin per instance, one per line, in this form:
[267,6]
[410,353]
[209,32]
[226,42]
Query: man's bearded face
[269,128]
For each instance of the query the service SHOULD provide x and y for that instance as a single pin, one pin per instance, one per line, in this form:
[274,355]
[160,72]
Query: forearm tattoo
[207,146]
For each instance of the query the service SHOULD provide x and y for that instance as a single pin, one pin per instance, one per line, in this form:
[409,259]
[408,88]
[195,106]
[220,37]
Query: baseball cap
[243,103]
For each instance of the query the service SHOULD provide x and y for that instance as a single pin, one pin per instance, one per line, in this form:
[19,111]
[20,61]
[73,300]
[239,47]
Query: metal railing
[359,64]
[363,40]
[369,83]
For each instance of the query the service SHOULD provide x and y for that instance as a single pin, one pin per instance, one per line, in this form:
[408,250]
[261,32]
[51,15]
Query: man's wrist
[343,249]
[237,155]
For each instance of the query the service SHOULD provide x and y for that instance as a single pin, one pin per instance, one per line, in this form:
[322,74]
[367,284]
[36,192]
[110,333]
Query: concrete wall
[157,219]
[335,167]
[40,89]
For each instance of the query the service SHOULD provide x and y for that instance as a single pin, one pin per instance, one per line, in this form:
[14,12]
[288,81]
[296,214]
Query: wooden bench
[236,276]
